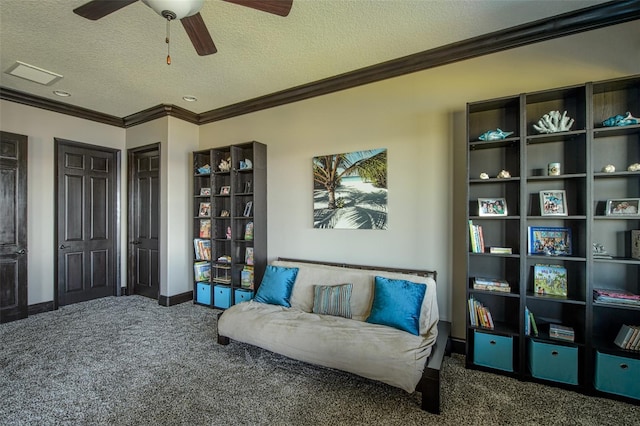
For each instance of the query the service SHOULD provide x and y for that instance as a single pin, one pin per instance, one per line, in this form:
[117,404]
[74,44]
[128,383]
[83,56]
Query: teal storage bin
[493,351]
[553,362]
[618,375]
[203,293]
[240,295]
[221,296]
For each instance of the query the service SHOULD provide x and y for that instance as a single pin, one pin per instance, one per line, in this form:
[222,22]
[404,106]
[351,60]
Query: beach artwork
[350,190]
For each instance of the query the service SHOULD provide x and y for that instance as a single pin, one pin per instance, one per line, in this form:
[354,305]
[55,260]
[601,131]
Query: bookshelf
[583,188]
[230,218]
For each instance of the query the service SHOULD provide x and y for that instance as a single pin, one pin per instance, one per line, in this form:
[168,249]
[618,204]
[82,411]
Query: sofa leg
[222,340]
[431,391]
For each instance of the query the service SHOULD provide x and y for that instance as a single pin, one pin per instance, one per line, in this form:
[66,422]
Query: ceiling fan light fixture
[61,93]
[179,8]
[190,98]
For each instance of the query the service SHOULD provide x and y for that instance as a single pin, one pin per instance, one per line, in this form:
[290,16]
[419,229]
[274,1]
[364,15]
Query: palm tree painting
[350,190]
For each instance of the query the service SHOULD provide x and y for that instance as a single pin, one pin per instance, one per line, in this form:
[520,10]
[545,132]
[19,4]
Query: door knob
[21,252]
[62,246]
[136,242]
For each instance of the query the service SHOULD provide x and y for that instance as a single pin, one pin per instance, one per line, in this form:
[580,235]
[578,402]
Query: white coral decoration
[635,167]
[504,174]
[553,122]
[609,168]
[483,175]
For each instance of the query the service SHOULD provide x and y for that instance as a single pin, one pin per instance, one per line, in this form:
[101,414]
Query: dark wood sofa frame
[429,384]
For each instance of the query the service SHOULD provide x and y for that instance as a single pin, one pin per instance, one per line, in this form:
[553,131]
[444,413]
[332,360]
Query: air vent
[32,73]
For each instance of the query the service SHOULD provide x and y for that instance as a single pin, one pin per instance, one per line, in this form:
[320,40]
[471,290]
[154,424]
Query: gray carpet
[129,361]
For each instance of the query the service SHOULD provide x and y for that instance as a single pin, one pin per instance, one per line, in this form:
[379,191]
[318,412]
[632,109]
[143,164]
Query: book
[500,250]
[476,238]
[550,241]
[202,271]
[248,256]
[248,231]
[246,277]
[534,326]
[561,332]
[635,243]
[479,315]
[491,284]
[616,297]
[205,228]
[550,280]
[623,336]
[202,249]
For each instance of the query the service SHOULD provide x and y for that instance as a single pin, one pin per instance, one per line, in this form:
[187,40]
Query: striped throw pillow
[332,300]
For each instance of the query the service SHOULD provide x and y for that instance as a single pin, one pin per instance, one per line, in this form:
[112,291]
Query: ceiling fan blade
[277,7]
[97,9]
[199,35]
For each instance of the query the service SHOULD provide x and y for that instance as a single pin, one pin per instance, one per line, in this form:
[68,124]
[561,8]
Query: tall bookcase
[591,363]
[229,223]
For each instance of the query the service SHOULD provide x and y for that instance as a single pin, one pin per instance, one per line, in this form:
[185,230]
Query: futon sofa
[379,323]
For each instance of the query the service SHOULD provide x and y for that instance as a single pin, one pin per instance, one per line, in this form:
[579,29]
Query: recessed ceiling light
[190,98]
[33,73]
[62,93]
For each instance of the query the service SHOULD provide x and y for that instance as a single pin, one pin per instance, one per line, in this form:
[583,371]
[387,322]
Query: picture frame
[224,213]
[205,210]
[492,207]
[247,209]
[549,241]
[205,191]
[623,207]
[225,190]
[553,202]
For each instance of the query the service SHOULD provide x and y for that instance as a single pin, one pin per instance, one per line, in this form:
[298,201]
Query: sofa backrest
[311,274]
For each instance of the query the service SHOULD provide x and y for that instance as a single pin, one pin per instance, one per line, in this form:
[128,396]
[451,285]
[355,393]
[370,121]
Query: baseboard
[39,308]
[458,346]
[175,299]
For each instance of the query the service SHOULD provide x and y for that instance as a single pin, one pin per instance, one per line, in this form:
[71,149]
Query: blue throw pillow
[276,285]
[397,303]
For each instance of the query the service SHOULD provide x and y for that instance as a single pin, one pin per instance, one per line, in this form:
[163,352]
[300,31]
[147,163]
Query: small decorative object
[492,207]
[225,165]
[204,170]
[225,190]
[504,174]
[553,203]
[621,120]
[228,233]
[635,167]
[483,175]
[224,213]
[245,164]
[553,122]
[623,207]
[553,169]
[247,209]
[550,241]
[600,252]
[609,168]
[494,135]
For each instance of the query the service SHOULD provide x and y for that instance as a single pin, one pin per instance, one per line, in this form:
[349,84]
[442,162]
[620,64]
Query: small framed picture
[247,209]
[224,213]
[205,210]
[623,207]
[553,203]
[492,207]
[247,187]
[225,190]
[205,191]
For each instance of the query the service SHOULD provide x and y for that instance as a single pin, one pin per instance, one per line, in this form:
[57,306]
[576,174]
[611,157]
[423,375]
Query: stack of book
[479,315]
[202,249]
[476,238]
[491,284]
[616,297]
[628,338]
[246,277]
[561,332]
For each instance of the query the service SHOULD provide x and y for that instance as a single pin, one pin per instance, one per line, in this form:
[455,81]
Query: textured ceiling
[116,65]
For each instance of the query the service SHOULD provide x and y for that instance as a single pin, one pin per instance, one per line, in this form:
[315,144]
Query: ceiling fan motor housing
[175,9]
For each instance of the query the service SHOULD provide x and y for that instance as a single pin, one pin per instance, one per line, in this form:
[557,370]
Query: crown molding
[591,18]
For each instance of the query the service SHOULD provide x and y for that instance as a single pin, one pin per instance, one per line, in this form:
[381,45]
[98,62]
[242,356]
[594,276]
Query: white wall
[42,127]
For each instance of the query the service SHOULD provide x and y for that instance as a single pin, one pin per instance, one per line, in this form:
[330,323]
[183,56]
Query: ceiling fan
[187,11]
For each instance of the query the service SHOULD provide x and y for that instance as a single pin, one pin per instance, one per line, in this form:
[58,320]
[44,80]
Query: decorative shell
[621,120]
[609,168]
[483,175]
[635,167]
[553,122]
[504,174]
[494,135]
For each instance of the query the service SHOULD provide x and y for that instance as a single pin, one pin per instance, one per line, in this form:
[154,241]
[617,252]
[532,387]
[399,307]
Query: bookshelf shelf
[582,152]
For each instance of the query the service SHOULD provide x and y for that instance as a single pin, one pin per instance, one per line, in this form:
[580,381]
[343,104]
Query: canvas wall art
[350,190]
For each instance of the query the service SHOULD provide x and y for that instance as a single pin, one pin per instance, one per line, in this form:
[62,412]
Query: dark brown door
[13,227]
[86,222]
[144,224]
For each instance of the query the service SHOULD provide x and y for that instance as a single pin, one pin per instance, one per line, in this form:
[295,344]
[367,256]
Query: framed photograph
[247,209]
[553,203]
[550,280]
[492,207]
[623,207]
[205,191]
[224,213]
[550,241]
[225,190]
[205,210]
